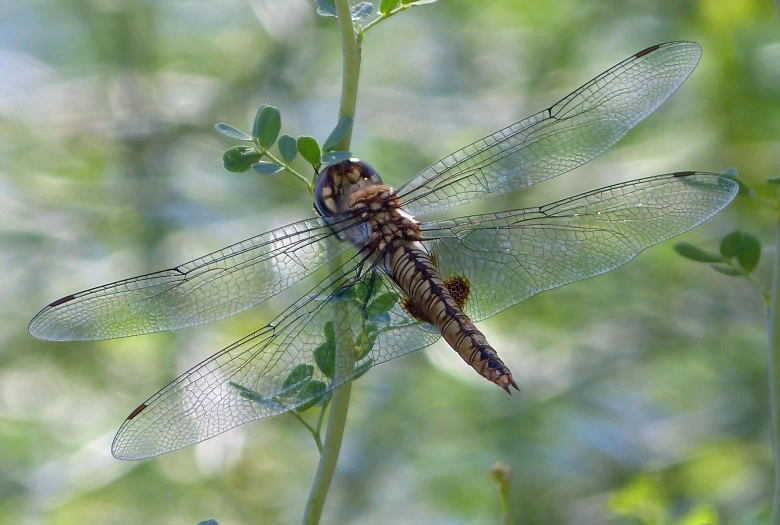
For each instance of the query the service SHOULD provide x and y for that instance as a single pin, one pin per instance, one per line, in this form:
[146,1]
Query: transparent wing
[510,256]
[288,364]
[207,289]
[558,139]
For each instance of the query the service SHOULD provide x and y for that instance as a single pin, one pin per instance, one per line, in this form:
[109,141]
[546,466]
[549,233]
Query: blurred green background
[643,392]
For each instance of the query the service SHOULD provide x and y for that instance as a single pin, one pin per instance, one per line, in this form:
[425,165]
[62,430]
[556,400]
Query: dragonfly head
[336,183]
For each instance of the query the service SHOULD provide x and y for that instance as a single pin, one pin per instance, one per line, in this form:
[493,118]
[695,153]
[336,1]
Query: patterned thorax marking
[392,238]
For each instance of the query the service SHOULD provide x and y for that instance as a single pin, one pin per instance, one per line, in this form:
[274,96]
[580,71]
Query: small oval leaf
[730,244]
[727,270]
[287,148]
[749,252]
[240,158]
[365,340]
[298,376]
[309,150]
[268,123]
[233,133]
[385,6]
[313,390]
[361,10]
[383,303]
[334,157]
[325,358]
[689,251]
[362,368]
[267,168]
[338,133]
[326,8]
[330,332]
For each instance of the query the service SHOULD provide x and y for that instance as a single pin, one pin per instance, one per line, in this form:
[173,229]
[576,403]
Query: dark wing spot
[684,173]
[62,301]
[459,288]
[137,411]
[647,51]
[413,309]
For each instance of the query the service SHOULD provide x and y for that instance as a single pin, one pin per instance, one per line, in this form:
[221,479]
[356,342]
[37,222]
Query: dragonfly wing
[504,258]
[207,289]
[558,139]
[288,364]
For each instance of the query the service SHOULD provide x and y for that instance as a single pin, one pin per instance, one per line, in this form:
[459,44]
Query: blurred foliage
[644,391]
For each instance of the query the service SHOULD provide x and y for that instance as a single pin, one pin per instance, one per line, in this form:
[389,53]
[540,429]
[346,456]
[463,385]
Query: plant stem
[350,52]
[339,403]
[312,430]
[382,18]
[290,170]
[773,329]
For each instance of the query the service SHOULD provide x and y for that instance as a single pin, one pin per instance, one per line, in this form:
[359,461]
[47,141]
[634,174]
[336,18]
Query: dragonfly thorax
[353,187]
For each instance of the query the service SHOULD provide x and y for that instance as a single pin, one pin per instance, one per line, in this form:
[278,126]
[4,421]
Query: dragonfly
[396,283]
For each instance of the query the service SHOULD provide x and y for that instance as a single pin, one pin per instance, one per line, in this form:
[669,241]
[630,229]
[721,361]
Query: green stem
[350,50]
[773,329]
[339,403]
[288,169]
[382,18]
[502,476]
[755,284]
[315,432]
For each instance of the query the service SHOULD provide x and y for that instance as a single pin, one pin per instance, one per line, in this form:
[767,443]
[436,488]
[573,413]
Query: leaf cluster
[266,133]
[300,387]
[363,10]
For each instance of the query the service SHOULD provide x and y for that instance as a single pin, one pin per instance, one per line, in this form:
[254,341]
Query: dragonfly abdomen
[431,300]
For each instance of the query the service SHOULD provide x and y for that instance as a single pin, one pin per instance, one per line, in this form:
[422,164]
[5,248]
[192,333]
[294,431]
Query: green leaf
[233,133]
[287,148]
[417,2]
[309,150]
[313,391]
[385,6]
[326,8]
[693,253]
[365,341]
[361,10]
[268,123]
[334,157]
[773,180]
[358,291]
[298,376]
[731,244]
[325,357]
[383,303]
[362,368]
[727,270]
[208,522]
[251,395]
[338,133]
[330,332]
[749,252]
[325,354]
[240,158]
[267,168]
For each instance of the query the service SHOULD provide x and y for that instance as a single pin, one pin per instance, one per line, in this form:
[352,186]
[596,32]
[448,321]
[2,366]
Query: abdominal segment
[432,300]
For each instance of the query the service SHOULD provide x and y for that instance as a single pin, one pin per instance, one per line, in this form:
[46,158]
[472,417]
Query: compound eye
[324,194]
